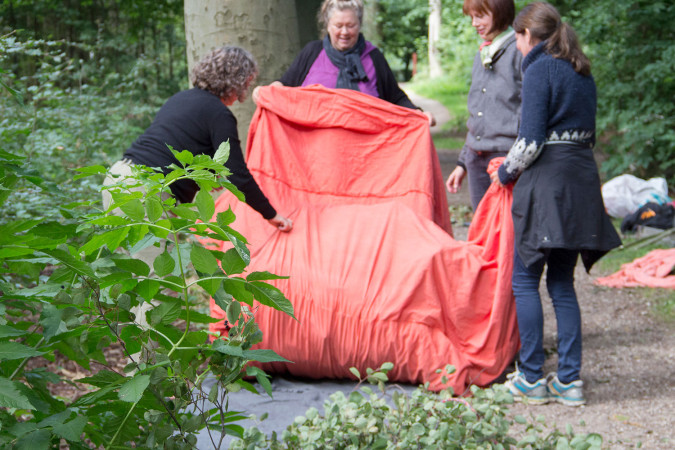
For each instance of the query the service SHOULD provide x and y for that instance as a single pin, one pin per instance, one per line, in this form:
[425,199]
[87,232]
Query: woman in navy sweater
[558,212]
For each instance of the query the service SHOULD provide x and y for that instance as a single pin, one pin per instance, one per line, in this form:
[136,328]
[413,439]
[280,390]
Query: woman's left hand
[494,176]
[432,119]
[281,222]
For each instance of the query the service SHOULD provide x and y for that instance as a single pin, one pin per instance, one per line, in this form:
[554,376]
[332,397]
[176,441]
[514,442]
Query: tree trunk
[434,36]
[369,25]
[266,28]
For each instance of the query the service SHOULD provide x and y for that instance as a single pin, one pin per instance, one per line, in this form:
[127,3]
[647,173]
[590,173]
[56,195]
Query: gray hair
[225,71]
[329,6]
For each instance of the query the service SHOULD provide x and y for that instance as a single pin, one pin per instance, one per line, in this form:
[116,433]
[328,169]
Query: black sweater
[198,121]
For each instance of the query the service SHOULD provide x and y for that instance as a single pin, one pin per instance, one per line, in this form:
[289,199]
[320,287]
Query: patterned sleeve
[533,124]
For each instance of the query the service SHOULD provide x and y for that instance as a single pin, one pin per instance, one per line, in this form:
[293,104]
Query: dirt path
[628,361]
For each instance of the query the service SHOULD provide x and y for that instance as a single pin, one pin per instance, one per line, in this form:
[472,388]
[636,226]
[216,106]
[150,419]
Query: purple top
[325,73]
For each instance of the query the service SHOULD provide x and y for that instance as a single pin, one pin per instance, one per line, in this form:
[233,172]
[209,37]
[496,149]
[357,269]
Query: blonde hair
[225,71]
[545,24]
[329,6]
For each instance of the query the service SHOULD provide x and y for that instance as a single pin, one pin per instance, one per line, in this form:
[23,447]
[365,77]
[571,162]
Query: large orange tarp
[655,269]
[375,274]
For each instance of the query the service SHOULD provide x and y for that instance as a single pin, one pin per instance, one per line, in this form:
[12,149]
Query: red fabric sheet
[652,270]
[375,274]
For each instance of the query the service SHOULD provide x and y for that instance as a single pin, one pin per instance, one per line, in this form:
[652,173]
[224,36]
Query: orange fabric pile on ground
[652,270]
[375,274]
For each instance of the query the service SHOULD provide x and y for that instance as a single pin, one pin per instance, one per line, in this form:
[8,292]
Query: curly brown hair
[225,72]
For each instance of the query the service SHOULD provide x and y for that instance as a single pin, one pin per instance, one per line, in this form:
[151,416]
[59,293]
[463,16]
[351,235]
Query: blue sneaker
[571,394]
[535,393]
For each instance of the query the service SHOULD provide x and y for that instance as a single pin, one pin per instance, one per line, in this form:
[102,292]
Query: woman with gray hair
[199,120]
[343,59]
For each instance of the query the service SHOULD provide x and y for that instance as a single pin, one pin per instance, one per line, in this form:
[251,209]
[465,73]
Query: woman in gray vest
[494,97]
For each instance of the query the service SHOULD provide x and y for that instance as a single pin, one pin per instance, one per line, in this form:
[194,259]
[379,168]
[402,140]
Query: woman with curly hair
[199,120]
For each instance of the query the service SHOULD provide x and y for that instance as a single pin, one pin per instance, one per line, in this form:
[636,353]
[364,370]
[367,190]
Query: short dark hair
[503,11]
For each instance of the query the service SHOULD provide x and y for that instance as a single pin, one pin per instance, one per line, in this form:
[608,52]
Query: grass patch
[450,92]
[448,141]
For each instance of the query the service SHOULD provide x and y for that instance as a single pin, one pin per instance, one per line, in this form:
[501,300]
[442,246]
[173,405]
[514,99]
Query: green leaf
[10,397]
[185,157]
[51,321]
[203,260]
[67,259]
[262,378]
[153,208]
[270,296]
[223,153]
[14,350]
[232,263]
[210,285]
[262,276]
[233,311]
[186,213]
[92,170]
[134,209]
[147,289]
[238,288]
[133,390]
[102,378]
[165,313]
[240,247]
[72,430]
[7,331]
[263,356]
[37,440]
[355,372]
[205,205]
[221,346]
[164,264]
[133,265]
[225,218]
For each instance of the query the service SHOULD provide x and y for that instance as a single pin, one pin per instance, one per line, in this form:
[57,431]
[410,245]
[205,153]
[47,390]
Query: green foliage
[631,44]
[375,419]
[71,292]
[85,81]
[402,26]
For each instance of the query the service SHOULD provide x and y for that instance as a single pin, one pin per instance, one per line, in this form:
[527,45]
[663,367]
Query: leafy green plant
[74,111]
[72,293]
[371,418]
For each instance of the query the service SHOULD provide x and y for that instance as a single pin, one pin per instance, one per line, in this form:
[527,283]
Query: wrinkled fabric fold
[374,273]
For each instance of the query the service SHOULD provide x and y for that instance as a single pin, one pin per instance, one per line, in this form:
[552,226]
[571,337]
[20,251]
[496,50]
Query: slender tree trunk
[266,28]
[369,26]
[434,36]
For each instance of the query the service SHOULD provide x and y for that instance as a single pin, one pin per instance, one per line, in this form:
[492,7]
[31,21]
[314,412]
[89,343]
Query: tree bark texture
[266,28]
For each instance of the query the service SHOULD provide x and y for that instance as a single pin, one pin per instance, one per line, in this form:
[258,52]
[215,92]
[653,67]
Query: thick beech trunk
[266,28]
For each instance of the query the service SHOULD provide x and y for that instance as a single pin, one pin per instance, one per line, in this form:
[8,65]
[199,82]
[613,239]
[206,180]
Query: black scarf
[348,62]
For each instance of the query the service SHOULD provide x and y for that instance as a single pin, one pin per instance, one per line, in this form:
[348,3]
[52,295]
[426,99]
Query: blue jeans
[560,285]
